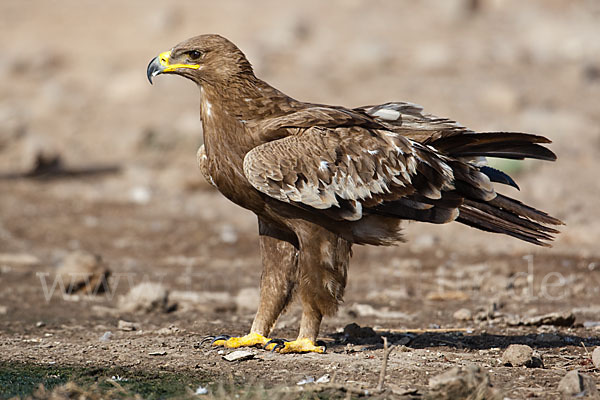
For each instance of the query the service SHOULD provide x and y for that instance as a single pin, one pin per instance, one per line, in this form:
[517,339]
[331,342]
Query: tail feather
[510,217]
[524,210]
[514,145]
[471,199]
[479,219]
[500,213]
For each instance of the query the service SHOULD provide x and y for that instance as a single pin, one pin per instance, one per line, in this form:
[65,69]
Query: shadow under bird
[321,178]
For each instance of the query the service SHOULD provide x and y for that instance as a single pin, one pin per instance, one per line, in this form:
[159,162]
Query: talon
[220,337]
[206,339]
[278,346]
[277,343]
[322,344]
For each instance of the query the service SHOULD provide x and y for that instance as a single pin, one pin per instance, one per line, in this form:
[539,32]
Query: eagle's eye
[194,54]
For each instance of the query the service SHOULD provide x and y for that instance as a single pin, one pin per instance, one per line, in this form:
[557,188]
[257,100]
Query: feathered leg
[322,266]
[279,278]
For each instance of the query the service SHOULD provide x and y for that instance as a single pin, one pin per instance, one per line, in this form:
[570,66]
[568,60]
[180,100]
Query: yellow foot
[251,339]
[295,346]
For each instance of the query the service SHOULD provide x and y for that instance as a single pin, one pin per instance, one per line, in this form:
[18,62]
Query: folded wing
[396,162]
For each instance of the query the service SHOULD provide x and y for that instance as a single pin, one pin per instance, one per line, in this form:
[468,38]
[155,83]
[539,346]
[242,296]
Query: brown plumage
[321,178]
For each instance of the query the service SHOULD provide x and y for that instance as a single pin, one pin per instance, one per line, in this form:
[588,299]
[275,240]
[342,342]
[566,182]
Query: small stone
[519,355]
[461,383]
[596,357]
[145,297]
[169,330]
[40,324]
[355,331]
[556,319]
[308,379]
[201,391]
[577,384]
[140,195]
[3,310]
[21,259]
[463,314]
[127,326]
[85,272]
[106,336]
[158,353]
[591,324]
[239,355]
[448,295]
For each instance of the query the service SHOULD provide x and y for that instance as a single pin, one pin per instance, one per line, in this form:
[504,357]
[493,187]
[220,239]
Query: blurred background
[98,173]
[73,86]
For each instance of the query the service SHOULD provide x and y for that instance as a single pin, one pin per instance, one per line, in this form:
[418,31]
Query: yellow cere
[163,58]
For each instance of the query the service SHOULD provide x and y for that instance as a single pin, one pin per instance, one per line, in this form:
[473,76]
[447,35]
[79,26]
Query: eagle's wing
[452,138]
[346,171]
[410,120]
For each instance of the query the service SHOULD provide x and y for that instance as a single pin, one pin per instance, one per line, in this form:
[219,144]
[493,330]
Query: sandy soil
[73,85]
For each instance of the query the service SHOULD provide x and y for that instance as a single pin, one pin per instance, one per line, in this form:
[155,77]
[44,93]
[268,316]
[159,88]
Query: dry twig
[386,354]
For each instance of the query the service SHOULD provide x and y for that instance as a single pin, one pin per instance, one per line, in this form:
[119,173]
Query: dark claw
[206,339]
[323,344]
[220,337]
[212,339]
[280,343]
[279,346]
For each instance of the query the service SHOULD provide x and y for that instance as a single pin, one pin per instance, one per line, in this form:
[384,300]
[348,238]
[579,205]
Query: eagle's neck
[226,115]
[246,99]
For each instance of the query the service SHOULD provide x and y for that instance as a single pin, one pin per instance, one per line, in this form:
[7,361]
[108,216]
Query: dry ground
[72,84]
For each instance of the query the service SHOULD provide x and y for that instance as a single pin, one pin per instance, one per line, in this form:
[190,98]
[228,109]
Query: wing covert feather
[344,170]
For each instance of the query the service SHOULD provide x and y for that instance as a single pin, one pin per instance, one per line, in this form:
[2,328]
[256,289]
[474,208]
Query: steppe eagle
[321,178]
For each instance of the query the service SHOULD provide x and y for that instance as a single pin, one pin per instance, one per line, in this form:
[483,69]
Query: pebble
[145,297]
[21,259]
[463,314]
[576,384]
[169,330]
[3,310]
[140,195]
[555,319]
[201,391]
[519,355]
[308,379]
[85,272]
[356,331]
[591,324]
[461,383]
[239,355]
[596,357]
[127,326]
[106,336]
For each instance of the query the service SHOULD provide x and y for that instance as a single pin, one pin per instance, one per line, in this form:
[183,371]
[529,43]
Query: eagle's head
[205,59]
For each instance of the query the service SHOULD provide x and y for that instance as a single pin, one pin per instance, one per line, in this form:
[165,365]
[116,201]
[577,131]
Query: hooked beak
[161,64]
[154,68]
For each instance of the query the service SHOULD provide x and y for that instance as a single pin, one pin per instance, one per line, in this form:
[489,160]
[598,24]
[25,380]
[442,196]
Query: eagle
[321,178]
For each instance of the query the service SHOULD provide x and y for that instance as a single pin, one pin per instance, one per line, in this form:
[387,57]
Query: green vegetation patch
[22,380]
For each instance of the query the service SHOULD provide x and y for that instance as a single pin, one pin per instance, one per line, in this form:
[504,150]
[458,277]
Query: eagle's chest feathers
[226,144]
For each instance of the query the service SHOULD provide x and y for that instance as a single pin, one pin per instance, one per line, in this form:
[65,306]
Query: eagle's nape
[321,178]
